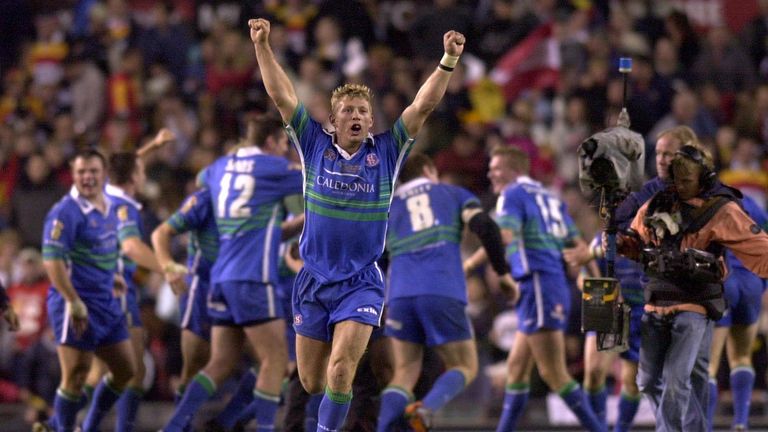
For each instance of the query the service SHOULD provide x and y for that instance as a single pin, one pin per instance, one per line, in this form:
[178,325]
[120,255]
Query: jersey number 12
[238,208]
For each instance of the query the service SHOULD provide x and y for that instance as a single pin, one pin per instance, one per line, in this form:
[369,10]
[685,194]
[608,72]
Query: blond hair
[517,159]
[351,90]
[682,134]
[688,165]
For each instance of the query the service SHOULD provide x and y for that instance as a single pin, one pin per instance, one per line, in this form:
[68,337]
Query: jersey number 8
[421,213]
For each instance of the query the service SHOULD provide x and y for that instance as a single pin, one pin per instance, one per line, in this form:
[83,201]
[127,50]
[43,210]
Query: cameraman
[684,293]
[597,364]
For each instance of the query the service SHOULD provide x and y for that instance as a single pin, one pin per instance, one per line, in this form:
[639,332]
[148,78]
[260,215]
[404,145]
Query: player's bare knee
[277,356]
[594,378]
[140,372]
[218,370]
[75,379]
[340,374]
[553,379]
[79,372]
[121,376]
[466,364]
[629,386]
[312,384]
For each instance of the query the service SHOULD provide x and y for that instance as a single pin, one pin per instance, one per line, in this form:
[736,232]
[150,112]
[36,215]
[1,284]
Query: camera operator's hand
[578,255]
[628,244]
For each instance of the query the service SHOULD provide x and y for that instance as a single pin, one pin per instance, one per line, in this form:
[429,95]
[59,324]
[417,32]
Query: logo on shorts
[395,325]
[368,310]
[558,313]
[298,319]
[330,155]
[371,160]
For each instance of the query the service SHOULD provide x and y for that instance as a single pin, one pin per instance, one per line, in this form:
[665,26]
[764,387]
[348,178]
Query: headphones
[707,176]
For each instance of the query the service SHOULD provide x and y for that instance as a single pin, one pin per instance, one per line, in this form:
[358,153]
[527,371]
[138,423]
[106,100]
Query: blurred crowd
[111,73]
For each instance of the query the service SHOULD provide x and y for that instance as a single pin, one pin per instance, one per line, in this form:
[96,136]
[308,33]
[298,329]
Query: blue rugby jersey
[423,239]
[196,217]
[247,189]
[129,224]
[86,240]
[346,197]
[540,224]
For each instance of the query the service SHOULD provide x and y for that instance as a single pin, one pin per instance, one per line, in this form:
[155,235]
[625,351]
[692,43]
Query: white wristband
[449,60]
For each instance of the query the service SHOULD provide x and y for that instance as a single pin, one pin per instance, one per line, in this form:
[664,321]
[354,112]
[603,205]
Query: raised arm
[276,81]
[162,137]
[433,89]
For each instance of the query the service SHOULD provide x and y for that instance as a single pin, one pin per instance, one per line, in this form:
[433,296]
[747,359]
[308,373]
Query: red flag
[534,63]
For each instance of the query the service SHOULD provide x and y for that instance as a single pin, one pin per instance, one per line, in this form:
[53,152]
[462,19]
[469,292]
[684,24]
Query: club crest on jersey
[122,213]
[56,229]
[371,160]
[330,154]
[189,204]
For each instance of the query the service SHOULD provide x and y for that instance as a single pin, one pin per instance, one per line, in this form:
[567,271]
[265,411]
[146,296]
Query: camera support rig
[603,309]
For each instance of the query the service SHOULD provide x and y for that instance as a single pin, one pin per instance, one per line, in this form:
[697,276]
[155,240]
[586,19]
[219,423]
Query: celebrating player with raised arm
[349,176]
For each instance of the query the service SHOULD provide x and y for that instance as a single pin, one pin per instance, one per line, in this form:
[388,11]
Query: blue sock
[178,394]
[333,410]
[742,383]
[628,406]
[596,400]
[393,402]
[515,399]
[576,400]
[81,403]
[310,411]
[447,386]
[712,402]
[103,398]
[88,392]
[199,390]
[241,398]
[264,406]
[65,408]
[127,407]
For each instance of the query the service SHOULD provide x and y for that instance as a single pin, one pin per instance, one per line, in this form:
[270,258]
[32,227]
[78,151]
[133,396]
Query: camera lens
[602,172]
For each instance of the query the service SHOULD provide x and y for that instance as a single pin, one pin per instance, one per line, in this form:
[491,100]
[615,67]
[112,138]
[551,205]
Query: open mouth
[356,128]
